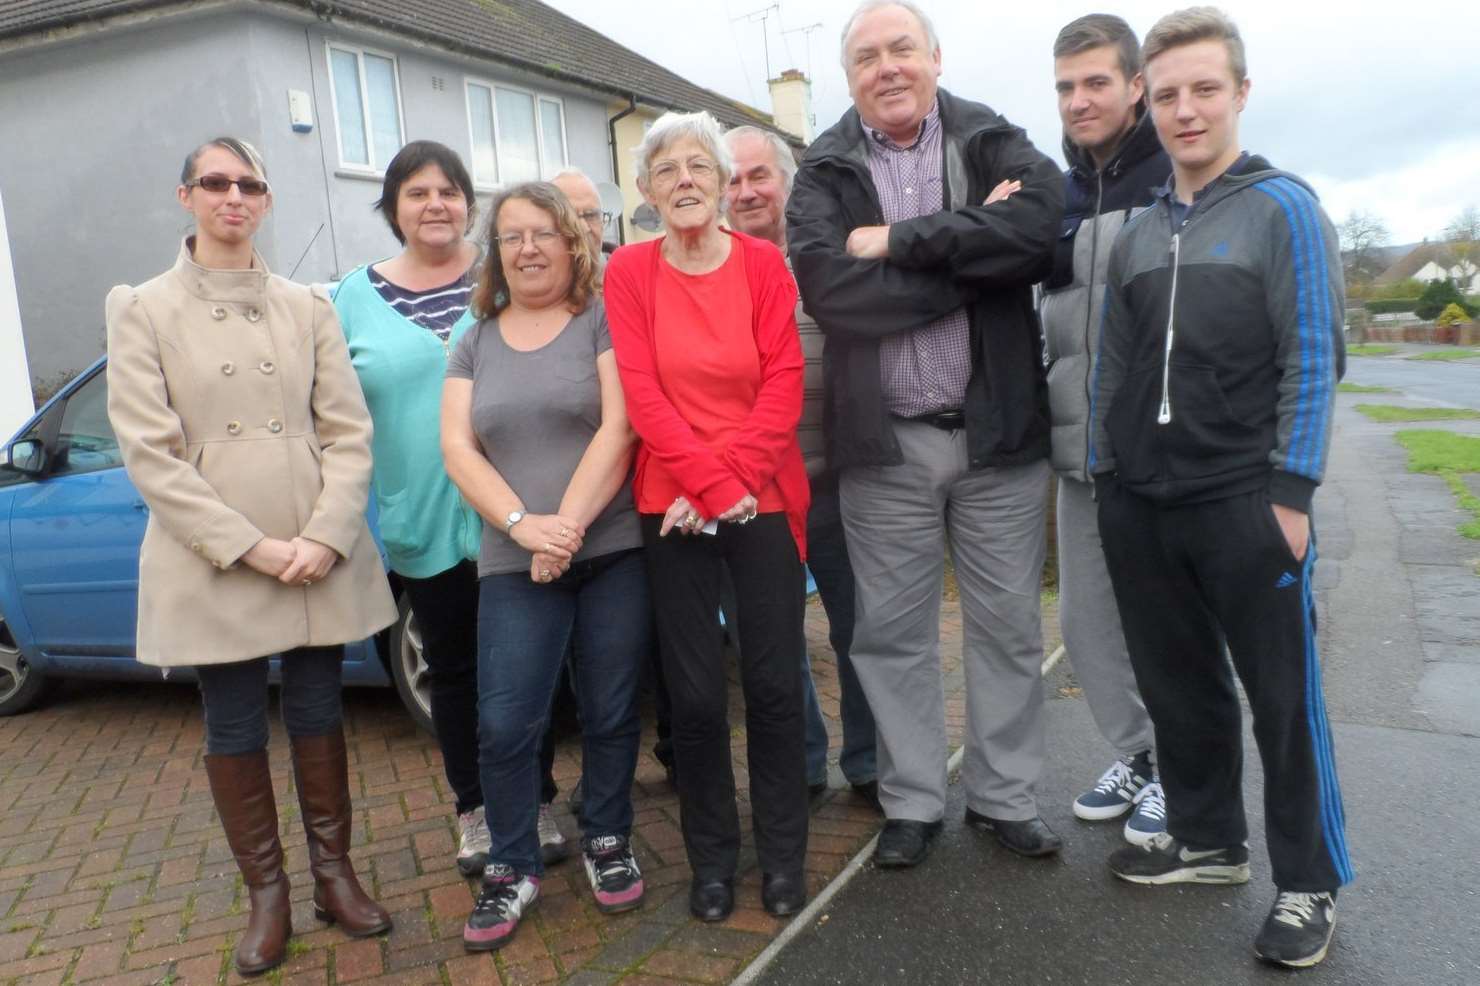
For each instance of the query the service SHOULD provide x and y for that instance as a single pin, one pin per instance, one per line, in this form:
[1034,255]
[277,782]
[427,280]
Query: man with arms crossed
[935,412]
[1115,163]
[1212,407]
[756,204]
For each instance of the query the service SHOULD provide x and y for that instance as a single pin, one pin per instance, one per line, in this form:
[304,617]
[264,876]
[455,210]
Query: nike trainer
[1163,859]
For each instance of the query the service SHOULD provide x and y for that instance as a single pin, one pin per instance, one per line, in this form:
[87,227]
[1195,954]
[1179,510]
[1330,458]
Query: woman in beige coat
[243,426]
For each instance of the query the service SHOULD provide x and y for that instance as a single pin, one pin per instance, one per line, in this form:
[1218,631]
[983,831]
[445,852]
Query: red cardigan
[765,449]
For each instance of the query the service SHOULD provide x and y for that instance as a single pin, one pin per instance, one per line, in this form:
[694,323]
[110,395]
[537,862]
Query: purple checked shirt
[922,370]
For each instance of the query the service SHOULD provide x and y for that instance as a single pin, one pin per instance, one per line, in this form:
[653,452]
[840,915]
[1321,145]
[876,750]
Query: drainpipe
[611,133]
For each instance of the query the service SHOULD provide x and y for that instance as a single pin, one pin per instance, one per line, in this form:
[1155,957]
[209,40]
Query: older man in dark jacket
[936,413]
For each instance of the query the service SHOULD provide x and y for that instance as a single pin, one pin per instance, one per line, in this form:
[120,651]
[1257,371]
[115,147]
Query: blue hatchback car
[70,527]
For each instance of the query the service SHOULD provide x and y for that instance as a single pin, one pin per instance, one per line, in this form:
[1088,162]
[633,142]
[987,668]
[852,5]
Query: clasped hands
[872,242]
[296,562]
[552,541]
[684,516]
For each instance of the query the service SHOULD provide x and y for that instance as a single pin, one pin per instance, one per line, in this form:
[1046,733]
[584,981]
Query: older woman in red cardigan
[702,321]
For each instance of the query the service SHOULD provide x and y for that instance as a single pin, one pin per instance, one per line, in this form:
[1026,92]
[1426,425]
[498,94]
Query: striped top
[437,309]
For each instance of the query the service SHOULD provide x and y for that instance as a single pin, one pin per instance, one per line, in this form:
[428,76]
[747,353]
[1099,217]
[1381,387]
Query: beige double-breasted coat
[239,416]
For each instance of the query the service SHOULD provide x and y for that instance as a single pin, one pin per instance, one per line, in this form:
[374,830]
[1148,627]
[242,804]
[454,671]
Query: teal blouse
[425,524]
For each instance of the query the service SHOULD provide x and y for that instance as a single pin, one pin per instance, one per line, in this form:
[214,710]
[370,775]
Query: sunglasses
[250,187]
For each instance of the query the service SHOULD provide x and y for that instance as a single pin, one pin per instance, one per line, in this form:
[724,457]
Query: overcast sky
[1374,104]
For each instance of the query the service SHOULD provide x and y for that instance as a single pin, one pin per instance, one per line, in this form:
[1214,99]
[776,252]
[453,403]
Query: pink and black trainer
[503,899]
[616,882]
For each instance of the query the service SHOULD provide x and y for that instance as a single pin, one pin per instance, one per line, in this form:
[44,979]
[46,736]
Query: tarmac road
[1400,621]
[1432,381]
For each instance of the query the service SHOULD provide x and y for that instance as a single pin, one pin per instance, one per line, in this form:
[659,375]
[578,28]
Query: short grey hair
[570,172]
[672,127]
[932,41]
[786,162]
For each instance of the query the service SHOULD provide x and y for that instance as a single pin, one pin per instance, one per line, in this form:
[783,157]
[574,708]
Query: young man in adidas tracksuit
[1211,415]
[1115,165]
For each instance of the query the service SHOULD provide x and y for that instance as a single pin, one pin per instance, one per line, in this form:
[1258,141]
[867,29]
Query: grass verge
[1361,388]
[1392,412]
[1449,456]
[1446,355]
[1370,349]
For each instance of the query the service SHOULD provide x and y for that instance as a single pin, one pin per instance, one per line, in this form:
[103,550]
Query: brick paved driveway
[114,870]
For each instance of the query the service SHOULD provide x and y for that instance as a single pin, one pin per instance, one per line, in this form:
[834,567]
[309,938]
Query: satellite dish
[646,218]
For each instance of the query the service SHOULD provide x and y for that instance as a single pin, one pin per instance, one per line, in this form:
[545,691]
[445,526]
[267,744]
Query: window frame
[480,182]
[374,168]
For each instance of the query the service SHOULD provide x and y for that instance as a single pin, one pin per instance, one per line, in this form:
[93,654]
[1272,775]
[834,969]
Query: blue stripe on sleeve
[1321,336]
[1297,457]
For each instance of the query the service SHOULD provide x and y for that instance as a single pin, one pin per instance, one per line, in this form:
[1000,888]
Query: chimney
[791,103]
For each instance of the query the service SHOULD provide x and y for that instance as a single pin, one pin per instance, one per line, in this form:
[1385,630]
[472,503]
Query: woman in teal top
[401,317]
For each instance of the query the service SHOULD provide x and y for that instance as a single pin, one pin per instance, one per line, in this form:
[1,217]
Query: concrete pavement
[1400,637]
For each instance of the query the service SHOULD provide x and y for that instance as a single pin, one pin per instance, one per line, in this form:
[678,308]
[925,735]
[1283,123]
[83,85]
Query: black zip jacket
[981,258]
[1222,344]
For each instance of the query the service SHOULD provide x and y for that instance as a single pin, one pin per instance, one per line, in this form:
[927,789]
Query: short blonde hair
[1194,24]
[670,128]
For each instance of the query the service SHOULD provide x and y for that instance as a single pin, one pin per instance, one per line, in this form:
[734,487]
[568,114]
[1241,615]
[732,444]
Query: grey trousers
[899,521]
[1090,623]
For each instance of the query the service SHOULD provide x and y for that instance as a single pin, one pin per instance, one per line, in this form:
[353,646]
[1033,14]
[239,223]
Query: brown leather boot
[242,789]
[323,794]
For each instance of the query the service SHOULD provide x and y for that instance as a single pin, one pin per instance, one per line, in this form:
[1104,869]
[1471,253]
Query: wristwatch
[514,517]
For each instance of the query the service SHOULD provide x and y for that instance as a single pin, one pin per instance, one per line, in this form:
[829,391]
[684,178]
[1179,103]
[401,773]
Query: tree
[1436,297]
[1363,235]
[1463,236]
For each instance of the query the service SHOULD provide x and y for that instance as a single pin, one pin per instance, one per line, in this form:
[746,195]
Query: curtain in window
[349,107]
[519,153]
[480,120]
[385,113]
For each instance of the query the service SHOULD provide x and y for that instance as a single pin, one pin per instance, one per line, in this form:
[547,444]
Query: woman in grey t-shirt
[535,435]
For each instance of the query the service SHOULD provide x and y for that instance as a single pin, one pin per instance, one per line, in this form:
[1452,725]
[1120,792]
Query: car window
[85,441]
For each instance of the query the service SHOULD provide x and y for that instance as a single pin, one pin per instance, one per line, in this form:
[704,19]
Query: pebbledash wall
[95,123]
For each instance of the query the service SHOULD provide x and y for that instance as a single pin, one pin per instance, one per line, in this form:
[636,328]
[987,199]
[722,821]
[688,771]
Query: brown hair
[1098,30]
[1194,24]
[491,296]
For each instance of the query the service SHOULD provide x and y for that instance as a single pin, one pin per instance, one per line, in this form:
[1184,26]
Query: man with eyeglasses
[583,195]
[936,413]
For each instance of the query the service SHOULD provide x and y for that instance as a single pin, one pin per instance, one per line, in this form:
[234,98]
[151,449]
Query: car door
[75,533]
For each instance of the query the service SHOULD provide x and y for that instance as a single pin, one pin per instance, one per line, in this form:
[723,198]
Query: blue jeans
[602,606]
[827,559]
[235,699]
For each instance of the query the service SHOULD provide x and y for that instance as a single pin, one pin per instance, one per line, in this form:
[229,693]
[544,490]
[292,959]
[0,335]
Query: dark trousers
[827,557]
[686,573]
[525,629]
[1188,578]
[235,699]
[446,610]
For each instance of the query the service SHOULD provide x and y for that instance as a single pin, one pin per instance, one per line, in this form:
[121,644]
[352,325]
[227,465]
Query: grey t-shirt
[535,413]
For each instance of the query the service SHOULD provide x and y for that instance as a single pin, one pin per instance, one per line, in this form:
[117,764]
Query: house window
[517,135]
[367,107]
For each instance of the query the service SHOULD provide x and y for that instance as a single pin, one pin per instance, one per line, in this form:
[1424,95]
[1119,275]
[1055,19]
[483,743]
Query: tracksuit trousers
[1189,578]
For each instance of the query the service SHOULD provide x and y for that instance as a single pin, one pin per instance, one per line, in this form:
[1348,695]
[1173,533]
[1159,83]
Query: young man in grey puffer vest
[1115,164]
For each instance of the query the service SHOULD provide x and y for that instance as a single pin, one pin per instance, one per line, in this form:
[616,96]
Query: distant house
[101,99]
[1436,262]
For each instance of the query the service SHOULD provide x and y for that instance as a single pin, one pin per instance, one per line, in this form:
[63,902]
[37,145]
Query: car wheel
[22,687]
[409,668]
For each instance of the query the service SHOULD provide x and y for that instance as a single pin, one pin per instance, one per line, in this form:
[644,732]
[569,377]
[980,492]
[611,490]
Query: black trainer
[1163,859]
[1298,929]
